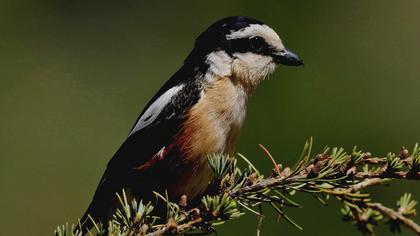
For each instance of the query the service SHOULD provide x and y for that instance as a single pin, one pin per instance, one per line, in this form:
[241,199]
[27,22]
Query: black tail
[100,209]
[85,223]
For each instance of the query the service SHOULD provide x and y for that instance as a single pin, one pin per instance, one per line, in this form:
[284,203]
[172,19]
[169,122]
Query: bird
[199,111]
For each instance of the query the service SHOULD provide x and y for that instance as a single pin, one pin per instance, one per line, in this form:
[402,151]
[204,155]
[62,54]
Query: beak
[287,58]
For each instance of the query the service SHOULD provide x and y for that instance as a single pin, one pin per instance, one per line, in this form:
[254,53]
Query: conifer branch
[331,173]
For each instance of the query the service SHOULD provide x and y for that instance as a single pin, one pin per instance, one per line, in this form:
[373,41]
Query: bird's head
[241,47]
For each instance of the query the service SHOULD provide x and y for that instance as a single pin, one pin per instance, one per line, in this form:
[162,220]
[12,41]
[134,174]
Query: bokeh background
[74,75]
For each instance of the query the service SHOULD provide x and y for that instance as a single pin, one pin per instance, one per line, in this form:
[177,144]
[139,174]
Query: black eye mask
[255,44]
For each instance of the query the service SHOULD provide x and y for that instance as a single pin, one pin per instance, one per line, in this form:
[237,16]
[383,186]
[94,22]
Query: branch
[366,183]
[332,173]
[396,216]
[173,229]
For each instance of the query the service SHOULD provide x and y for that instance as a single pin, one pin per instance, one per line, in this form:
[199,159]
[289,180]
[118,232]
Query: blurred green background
[75,74]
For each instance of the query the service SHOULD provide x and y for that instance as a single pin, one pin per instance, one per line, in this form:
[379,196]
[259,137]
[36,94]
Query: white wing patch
[156,108]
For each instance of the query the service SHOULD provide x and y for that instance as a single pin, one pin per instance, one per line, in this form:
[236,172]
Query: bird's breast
[212,126]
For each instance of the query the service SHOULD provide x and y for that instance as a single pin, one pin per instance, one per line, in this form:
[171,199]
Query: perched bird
[198,111]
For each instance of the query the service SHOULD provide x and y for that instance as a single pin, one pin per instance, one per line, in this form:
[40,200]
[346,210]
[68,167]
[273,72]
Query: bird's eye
[257,43]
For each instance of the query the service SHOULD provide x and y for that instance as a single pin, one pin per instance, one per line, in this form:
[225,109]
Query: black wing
[144,143]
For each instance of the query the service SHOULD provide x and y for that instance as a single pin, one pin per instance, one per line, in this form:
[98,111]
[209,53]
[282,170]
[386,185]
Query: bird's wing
[154,129]
[159,121]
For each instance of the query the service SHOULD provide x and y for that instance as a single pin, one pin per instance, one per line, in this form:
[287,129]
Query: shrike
[198,111]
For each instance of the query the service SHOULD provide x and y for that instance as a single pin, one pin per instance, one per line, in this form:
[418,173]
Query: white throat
[248,68]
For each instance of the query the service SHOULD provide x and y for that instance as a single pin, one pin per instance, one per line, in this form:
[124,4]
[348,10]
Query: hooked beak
[286,57]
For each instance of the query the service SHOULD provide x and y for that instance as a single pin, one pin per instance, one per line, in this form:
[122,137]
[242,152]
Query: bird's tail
[85,223]
[99,209]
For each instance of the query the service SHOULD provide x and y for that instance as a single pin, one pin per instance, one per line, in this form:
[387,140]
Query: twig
[383,174]
[366,183]
[368,178]
[268,154]
[176,229]
[390,213]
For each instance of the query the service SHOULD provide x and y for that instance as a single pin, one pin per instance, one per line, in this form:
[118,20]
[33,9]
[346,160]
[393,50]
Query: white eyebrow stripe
[156,108]
[264,31]
[253,30]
